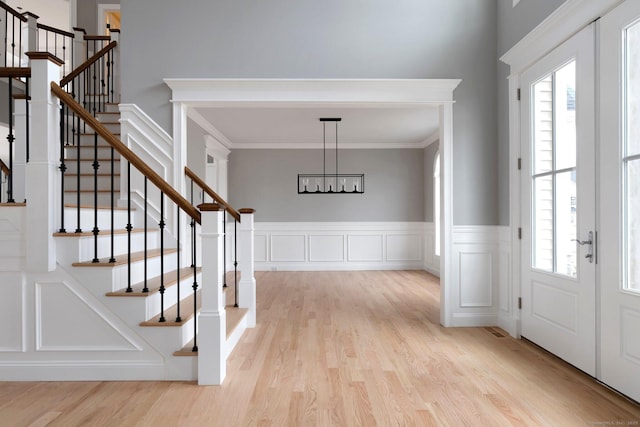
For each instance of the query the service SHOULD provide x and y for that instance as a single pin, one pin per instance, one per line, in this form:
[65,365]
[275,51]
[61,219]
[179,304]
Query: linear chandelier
[330,183]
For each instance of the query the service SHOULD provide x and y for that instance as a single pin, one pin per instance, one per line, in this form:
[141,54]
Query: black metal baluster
[178,318]
[96,166]
[27,119]
[13,43]
[113,258]
[63,167]
[145,289]
[78,170]
[113,73]
[195,290]
[95,89]
[224,249]
[235,261]
[129,289]
[10,138]
[162,224]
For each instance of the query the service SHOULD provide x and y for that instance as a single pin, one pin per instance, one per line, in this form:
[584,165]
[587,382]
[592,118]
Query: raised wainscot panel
[326,248]
[11,312]
[476,279]
[404,247]
[288,248]
[629,327]
[365,247]
[67,322]
[556,306]
[260,248]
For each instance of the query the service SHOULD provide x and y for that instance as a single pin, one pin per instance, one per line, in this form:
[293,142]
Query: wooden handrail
[15,72]
[13,12]
[5,169]
[126,153]
[97,38]
[86,64]
[196,179]
[55,30]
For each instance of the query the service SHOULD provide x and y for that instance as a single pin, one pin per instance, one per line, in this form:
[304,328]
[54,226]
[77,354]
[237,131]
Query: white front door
[619,237]
[558,202]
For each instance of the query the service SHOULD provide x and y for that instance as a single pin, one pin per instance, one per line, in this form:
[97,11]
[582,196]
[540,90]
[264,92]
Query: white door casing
[619,259]
[558,201]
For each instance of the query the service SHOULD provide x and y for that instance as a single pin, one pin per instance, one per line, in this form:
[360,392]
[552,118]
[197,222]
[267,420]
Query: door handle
[589,242]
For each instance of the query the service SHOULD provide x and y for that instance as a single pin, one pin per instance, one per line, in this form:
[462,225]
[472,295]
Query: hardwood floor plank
[344,349]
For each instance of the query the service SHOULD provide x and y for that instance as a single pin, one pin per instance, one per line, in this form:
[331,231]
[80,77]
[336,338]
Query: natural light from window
[554,172]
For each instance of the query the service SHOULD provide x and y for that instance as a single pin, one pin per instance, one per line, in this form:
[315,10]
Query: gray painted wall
[513,24]
[393,185]
[329,39]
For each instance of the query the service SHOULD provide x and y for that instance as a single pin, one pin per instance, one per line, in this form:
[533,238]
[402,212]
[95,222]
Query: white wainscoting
[480,282]
[300,246]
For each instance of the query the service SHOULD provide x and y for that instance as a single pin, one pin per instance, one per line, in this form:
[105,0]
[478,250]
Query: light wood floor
[344,349]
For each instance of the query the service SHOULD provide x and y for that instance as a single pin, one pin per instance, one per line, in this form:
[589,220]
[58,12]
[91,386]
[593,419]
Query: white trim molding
[567,20]
[478,281]
[318,246]
[290,93]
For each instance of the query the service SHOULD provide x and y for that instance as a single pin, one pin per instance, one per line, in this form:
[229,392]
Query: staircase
[161,307]
[129,285]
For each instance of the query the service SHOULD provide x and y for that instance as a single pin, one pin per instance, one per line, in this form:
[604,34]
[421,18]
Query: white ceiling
[361,127]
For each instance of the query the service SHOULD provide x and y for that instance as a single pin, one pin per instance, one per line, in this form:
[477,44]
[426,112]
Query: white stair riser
[168,339]
[87,152]
[87,182]
[112,279]
[87,198]
[137,309]
[87,219]
[82,248]
[88,140]
[152,303]
[86,166]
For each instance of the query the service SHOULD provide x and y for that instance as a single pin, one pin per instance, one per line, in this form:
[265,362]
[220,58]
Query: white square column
[212,321]
[42,187]
[247,284]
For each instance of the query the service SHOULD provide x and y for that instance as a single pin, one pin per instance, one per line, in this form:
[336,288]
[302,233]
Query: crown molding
[567,20]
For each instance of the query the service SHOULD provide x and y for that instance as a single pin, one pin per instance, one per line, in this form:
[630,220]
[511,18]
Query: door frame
[566,21]
[371,93]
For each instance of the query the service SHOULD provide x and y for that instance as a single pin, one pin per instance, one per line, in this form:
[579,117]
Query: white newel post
[29,36]
[247,285]
[42,179]
[212,322]
[79,55]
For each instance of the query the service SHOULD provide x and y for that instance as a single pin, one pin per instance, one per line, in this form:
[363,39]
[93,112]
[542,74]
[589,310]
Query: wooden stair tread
[100,233]
[170,313]
[122,259]
[17,204]
[234,316]
[153,284]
